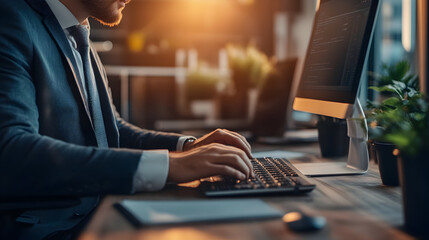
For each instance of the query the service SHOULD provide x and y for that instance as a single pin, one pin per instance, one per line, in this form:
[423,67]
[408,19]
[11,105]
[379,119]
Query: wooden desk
[356,207]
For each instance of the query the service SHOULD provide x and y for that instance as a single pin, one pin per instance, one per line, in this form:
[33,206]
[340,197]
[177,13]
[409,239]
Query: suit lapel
[60,38]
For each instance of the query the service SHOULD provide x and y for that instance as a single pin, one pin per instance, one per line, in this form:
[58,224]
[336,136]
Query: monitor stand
[358,160]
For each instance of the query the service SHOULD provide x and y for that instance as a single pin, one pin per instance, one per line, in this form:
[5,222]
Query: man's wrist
[181,143]
[188,143]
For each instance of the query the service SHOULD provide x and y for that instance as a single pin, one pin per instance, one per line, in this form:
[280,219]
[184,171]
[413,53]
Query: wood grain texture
[355,207]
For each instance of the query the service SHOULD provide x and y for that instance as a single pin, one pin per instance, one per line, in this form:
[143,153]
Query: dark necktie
[81,35]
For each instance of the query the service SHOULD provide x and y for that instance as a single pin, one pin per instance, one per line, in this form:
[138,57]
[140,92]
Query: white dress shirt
[152,170]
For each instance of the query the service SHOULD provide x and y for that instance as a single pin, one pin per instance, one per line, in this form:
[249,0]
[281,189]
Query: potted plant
[411,136]
[399,71]
[201,87]
[396,85]
[202,82]
[249,68]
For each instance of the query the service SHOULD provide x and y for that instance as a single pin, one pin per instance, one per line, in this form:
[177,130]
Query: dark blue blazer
[47,141]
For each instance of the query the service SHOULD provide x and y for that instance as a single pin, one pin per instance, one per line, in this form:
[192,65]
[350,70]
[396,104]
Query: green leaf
[403,118]
[399,85]
[399,70]
[393,102]
[386,88]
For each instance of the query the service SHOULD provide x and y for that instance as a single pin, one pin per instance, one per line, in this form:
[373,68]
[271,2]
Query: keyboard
[272,176]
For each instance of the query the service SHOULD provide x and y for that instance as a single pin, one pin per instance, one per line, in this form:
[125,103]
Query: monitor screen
[337,50]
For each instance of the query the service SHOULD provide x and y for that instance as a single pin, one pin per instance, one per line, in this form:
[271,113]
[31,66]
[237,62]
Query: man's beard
[104,11]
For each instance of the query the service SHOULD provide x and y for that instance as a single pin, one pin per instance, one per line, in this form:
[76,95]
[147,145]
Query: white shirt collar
[63,14]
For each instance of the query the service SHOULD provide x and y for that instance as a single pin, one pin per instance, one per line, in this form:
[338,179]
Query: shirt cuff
[152,171]
[181,142]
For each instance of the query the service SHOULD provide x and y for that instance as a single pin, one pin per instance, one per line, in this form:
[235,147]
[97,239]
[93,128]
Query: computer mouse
[300,222]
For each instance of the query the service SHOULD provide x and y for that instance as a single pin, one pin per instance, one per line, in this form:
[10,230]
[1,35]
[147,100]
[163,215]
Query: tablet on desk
[150,213]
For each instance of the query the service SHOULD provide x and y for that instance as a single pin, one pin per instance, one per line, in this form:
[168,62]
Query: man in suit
[61,138]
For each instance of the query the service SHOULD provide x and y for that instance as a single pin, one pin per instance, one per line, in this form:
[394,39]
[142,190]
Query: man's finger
[244,158]
[232,159]
[239,136]
[220,150]
[233,140]
[225,170]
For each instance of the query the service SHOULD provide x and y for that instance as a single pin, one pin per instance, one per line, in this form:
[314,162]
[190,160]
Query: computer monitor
[335,57]
[332,70]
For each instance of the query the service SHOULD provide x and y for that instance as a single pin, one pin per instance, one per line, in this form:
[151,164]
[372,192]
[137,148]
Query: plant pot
[387,163]
[414,179]
[233,106]
[333,138]
[241,80]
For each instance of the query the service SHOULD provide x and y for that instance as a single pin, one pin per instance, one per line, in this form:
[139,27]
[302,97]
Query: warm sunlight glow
[178,234]
[246,2]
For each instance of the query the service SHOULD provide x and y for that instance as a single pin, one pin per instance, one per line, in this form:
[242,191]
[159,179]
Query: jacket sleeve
[137,138]
[36,165]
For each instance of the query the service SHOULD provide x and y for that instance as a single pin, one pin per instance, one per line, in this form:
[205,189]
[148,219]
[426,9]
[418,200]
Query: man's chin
[110,21]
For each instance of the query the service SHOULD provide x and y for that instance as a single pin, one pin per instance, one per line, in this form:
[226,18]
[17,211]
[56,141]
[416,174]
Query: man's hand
[224,137]
[209,160]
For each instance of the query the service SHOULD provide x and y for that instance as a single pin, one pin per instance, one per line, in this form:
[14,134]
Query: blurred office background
[169,61]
